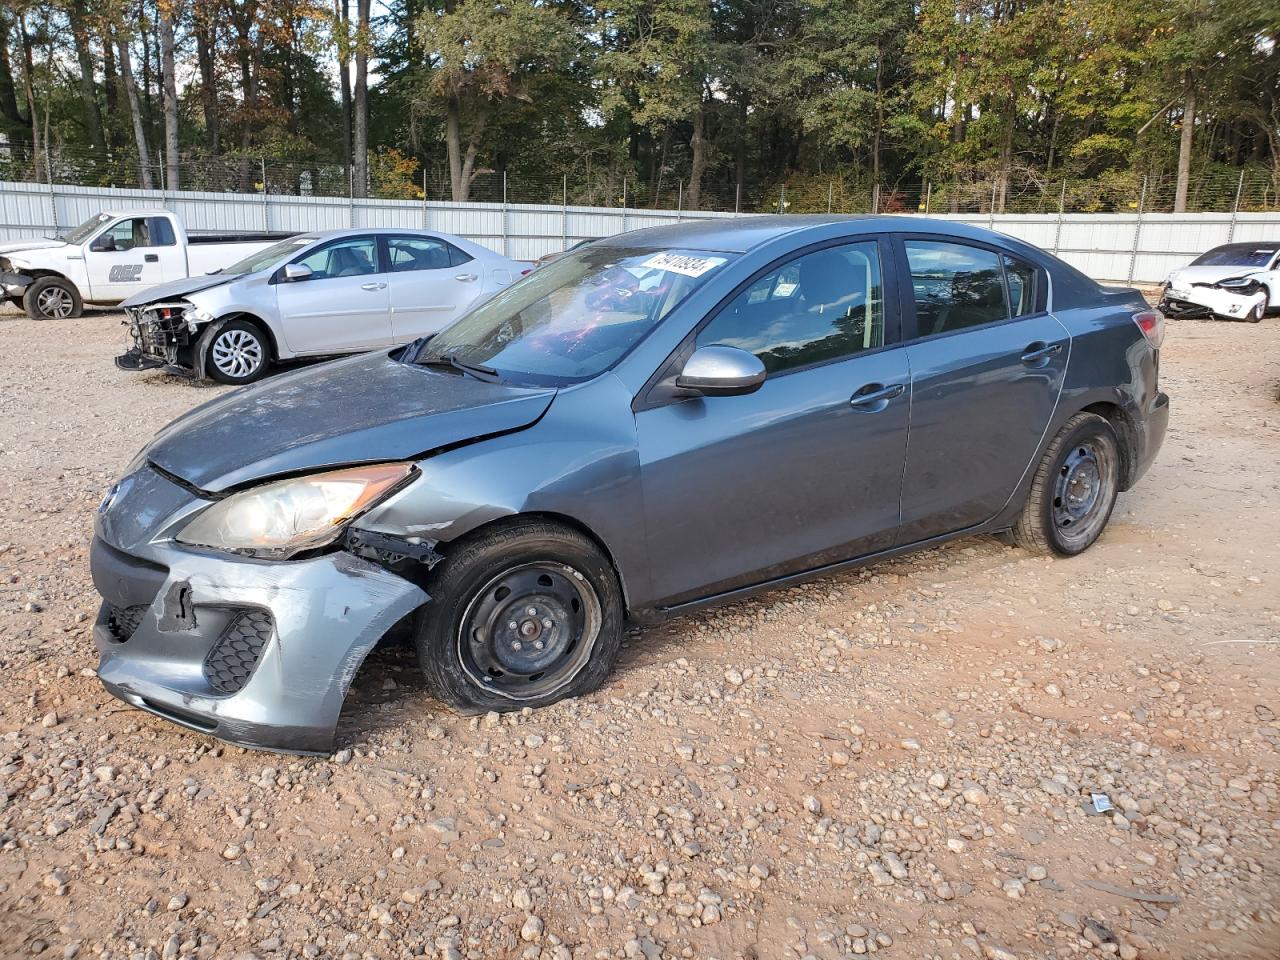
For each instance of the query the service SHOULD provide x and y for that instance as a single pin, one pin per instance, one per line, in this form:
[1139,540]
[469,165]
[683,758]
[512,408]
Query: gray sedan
[662,420]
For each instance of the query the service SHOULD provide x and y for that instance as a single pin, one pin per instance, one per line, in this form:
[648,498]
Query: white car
[112,256]
[1236,281]
[316,294]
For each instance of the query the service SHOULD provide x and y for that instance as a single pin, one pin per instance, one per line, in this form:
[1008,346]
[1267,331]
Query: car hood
[363,409]
[22,246]
[179,288]
[1211,274]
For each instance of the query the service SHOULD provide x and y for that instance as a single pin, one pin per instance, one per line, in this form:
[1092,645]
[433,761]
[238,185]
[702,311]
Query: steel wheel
[529,631]
[1083,490]
[55,303]
[237,353]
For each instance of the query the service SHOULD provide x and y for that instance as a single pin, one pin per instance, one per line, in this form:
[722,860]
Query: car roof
[741,234]
[1254,245]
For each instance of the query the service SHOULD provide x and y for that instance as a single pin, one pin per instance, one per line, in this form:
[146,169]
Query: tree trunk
[1184,150]
[88,92]
[248,90]
[205,39]
[9,109]
[110,89]
[38,147]
[344,79]
[462,167]
[171,177]
[360,105]
[135,112]
[879,130]
[698,161]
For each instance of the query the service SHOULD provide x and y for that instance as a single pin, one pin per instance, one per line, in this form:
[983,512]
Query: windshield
[577,316]
[82,233]
[268,258]
[1235,257]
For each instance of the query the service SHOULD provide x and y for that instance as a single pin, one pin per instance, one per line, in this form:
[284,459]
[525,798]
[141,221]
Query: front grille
[231,661]
[123,621]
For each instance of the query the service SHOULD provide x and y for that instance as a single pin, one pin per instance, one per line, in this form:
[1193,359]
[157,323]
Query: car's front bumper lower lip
[171,639]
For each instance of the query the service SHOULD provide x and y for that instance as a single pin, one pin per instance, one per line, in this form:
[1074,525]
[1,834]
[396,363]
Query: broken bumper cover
[257,653]
[1151,432]
[15,284]
[1198,301]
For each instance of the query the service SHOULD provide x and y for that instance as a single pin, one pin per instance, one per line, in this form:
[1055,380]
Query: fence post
[830,186]
[1057,232]
[991,211]
[782,199]
[48,175]
[928,197]
[1235,209]
[680,200]
[266,208]
[506,230]
[351,199]
[564,213]
[624,204]
[737,200]
[1137,231]
[426,208]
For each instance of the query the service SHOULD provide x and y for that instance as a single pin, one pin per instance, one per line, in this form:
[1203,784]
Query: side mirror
[721,372]
[106,243]
[296,271]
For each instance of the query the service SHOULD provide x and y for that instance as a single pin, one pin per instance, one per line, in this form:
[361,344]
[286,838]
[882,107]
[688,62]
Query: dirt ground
[891,761]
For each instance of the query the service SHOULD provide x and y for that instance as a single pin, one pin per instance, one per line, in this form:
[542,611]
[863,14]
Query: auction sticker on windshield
[683,263]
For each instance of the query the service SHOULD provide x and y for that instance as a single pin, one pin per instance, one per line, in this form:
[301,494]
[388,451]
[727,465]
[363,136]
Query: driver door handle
[1038,353]
[373,286]
[466,277]
[874,397]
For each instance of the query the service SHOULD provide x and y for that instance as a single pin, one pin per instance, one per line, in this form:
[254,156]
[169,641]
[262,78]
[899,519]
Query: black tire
[545,567]
[1257,313]
[52,298]
[238,352]
[1071,501]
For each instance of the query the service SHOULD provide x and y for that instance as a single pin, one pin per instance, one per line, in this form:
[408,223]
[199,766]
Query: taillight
[1151,323]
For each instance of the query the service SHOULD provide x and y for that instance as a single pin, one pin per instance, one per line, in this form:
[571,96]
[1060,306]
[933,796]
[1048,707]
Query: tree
[170,82]
[360,104]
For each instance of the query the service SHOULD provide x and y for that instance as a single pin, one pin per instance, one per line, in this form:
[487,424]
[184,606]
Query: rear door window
[955,286]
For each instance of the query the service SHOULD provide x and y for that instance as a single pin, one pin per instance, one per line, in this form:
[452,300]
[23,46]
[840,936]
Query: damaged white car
[313,295]
[1236,281]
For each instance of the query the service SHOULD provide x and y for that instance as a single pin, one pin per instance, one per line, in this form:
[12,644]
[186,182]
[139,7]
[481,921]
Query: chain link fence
[392,176]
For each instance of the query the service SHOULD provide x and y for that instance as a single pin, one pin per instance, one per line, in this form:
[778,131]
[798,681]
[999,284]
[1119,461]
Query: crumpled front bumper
[1194,302]
[257,653]
[15,284]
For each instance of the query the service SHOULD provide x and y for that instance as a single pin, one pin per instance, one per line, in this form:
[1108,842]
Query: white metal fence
[1107,246]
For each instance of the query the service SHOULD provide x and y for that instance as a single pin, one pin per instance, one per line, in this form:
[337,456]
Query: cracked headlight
[196,316]
[281,519]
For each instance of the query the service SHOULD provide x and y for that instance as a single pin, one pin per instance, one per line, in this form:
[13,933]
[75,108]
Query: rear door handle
[373,286]
[874,397]
[466,277]
[1037,354]
[151,257]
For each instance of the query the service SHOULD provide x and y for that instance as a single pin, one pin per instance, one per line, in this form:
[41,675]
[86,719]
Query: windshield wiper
[477,370]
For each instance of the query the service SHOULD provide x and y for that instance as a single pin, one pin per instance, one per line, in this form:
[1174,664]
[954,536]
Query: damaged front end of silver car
[161,334]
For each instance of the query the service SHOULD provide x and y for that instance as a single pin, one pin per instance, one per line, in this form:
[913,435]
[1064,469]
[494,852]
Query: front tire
[522,616]
[238,353]
[1257,313]
[1074,489]
[52,298]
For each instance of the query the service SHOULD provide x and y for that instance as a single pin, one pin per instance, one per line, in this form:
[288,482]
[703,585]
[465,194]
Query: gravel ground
[891,761]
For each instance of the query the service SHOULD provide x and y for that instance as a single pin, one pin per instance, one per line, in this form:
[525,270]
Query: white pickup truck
[111,257]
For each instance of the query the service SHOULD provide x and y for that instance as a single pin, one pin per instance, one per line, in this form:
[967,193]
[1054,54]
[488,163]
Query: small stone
[813,805]
[938,781]
[532,929]
[176,902]
[1036,872]
[50,719]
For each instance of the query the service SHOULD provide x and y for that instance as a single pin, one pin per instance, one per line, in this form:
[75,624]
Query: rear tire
[52,298]
[1074,489]
[480,647]
[238,353]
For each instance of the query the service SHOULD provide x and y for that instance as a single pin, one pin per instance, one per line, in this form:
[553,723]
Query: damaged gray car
[660,421]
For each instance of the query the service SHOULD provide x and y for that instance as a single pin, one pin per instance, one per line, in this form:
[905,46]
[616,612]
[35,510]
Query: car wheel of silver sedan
[1074,489]
[521,616]
[238,353]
